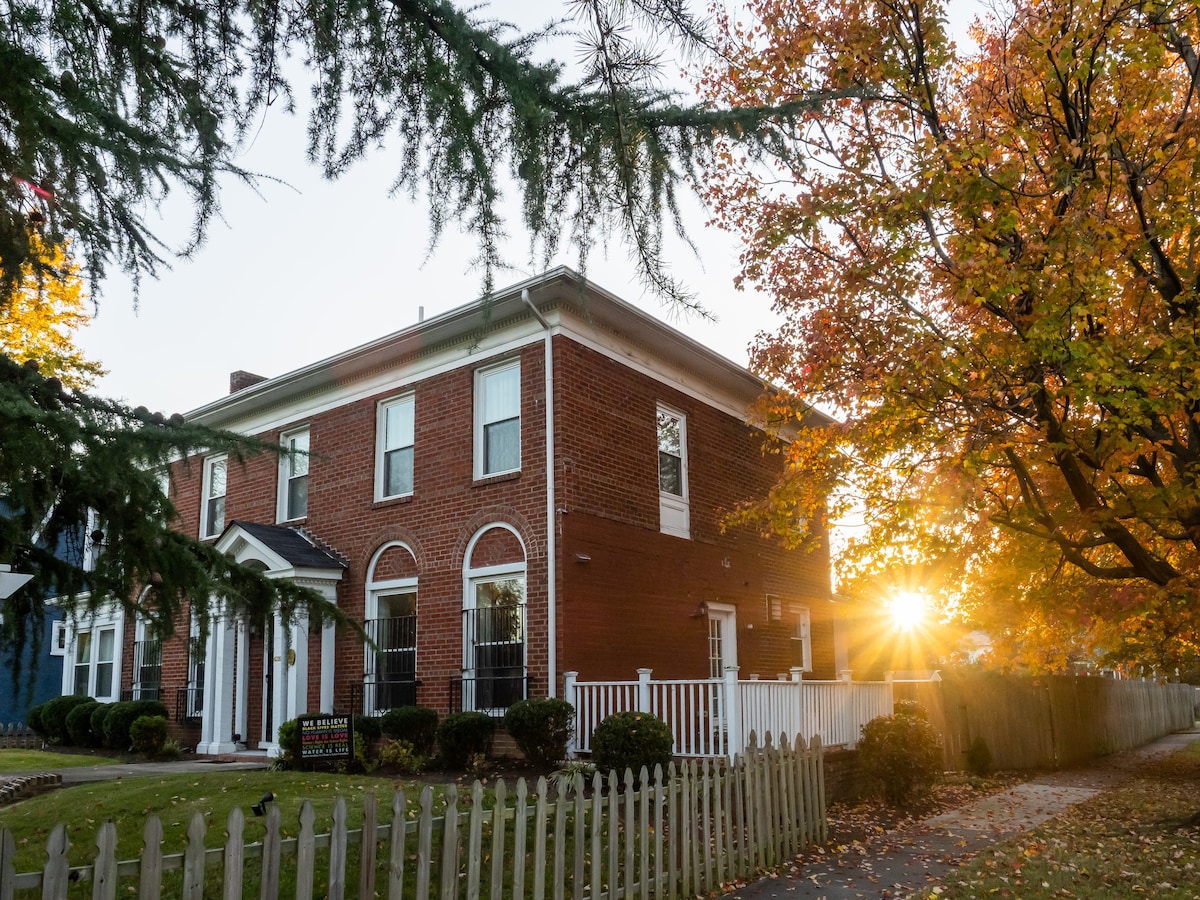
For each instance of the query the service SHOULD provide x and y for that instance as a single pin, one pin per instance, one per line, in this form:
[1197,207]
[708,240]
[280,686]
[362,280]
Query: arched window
[147,655]
[495,670]
[390,666]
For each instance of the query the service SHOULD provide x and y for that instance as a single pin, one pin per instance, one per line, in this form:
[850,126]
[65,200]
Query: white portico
[256,677]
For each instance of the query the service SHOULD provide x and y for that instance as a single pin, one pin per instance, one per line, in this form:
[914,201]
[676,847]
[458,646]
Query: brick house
[500,494]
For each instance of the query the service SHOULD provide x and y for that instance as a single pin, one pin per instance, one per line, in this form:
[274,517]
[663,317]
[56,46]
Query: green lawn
[129,801]
[41,761]
[1128,842]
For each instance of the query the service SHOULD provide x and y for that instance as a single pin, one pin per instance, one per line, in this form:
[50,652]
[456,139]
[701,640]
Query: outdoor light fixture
[260,808]
[10,581]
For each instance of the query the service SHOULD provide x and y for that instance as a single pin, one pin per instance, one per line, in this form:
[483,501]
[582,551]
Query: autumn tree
[40,319]
[986,264]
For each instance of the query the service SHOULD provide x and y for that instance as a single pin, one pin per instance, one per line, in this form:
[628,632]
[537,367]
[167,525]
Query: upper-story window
[293,476]
[498,419]
[802,639]
[212,507]
[673,510]
[395,433]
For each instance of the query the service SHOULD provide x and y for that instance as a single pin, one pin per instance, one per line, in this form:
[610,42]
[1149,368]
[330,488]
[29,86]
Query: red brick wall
[637,601]
[631,605]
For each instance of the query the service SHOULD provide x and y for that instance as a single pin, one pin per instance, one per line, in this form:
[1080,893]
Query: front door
[722,638]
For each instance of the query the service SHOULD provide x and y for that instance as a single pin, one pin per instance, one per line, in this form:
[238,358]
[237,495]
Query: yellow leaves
[40,321]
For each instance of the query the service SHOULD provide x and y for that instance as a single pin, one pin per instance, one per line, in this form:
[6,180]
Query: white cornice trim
[476,332]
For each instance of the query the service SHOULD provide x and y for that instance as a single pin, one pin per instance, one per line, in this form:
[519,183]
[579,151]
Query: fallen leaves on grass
[1129,841]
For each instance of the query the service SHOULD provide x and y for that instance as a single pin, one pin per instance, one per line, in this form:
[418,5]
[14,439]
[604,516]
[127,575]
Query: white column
[241,721]
[297,680]
[279,671]
[329,656]
[569,679]
[216,728]
[733,714]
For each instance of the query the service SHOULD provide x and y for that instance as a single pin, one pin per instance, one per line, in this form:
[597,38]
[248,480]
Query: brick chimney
[240,380]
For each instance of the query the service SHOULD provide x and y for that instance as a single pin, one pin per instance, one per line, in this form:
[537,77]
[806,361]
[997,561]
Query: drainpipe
[551,529]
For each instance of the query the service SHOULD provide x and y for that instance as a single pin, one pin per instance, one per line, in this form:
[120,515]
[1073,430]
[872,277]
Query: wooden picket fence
[685,832]
[18,737]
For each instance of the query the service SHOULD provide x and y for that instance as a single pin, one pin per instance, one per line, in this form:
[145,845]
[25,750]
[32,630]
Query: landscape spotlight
[260,808]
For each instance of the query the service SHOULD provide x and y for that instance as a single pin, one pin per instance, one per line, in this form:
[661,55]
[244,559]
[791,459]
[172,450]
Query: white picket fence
[685,833]
[713,717]
[18,736]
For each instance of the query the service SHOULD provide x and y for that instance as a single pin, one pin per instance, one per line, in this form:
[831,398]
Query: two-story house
[500,494]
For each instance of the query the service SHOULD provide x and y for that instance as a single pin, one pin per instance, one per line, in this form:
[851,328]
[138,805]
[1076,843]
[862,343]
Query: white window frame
[674,510]
[102,622]
[475,577]
[382,449]
[803,634]
[286,467]
[206,525]
[481,377]
[197,666]
[143,632]
[59,638]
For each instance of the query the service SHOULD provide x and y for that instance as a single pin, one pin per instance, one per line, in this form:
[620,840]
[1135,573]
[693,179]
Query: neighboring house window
[494,639]
[395,435]
[95,663]
[498,420]
[93,543]
[58,639]
[802,639]
[212,511]
[673,510]
[293,476]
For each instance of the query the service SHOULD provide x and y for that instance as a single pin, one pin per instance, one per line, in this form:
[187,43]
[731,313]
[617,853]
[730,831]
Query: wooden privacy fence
[713,717]
[18,737]
[679,834]
[1051,721]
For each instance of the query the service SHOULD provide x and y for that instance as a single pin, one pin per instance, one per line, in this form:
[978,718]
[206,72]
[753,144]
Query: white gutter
[551,512]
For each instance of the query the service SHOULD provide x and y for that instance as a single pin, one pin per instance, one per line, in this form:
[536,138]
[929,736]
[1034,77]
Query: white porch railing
[714,717]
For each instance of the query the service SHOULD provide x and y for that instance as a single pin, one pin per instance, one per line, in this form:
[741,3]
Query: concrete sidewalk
[902,863]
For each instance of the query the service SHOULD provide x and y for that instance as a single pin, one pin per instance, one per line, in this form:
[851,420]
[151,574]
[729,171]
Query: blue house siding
[45,673]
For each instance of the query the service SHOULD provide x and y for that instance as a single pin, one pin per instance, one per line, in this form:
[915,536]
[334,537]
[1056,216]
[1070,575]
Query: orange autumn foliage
[987,265]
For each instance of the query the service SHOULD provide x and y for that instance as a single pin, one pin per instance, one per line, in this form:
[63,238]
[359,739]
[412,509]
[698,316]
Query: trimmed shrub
[402,757]
[99,712]
[979,758]
[542,728]
[33,719]
[900,756]
[416,724]
[54,716]
[148,734]
[367,729]
[122,715]
[289,743]
[464,737]
[79,725]
[630,740]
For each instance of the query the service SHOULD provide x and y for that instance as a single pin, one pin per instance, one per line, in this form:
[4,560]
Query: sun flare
[908,610]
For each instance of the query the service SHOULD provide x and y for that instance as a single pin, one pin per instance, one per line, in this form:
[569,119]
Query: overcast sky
[307,268]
